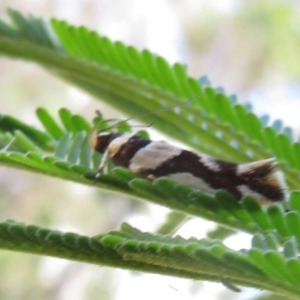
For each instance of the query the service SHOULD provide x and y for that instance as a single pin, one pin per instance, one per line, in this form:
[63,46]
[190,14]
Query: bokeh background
[250,48]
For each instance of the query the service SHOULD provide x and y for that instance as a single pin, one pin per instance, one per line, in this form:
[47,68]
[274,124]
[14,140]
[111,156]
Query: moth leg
[151,177]
[101,166]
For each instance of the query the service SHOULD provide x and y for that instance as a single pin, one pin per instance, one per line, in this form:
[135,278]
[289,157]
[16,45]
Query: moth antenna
[143,125]
[93,134]
[159,110]
[94,131]
[136,125]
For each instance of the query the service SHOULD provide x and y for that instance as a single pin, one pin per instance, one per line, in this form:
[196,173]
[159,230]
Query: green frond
[72,158]
[195,259]
[137,82]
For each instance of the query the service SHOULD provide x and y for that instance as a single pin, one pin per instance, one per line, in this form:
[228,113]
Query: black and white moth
[154,159]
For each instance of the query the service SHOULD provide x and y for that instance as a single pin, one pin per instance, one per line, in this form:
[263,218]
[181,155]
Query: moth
[155,159]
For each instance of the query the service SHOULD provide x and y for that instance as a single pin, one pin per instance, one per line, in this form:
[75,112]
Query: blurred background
[250,48]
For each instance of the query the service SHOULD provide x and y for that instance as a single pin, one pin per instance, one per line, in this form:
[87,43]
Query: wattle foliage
[138,82]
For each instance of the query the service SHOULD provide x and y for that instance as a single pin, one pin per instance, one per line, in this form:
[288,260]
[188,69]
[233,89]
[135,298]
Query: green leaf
[290,248]
[139,82]
[277,218]
[293,222]
[295,201]
[11,124]
[194,259]
[49,123]
[258,215]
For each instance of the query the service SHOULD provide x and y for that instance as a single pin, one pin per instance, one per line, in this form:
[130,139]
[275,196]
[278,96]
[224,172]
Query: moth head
[101,141]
